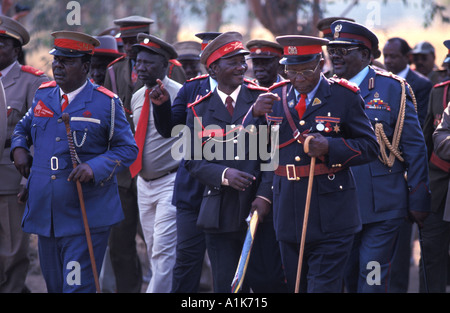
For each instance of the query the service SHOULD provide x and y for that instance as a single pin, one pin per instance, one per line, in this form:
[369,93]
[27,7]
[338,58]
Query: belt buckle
[288,167]
[54,163]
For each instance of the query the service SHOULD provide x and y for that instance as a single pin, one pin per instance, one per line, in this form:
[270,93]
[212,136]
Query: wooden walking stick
[305,217]
[66,119]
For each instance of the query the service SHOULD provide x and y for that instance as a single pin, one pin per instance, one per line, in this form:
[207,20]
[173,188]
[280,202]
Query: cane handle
[306,143]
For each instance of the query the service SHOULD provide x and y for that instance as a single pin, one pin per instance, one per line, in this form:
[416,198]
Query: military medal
[320,127]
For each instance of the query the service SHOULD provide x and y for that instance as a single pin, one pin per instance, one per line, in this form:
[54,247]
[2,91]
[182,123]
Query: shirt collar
[358,78]
[71,95]
[233,95]
[212,83]
[404,72]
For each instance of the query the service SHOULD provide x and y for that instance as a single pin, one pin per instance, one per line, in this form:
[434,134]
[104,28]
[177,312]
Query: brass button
[236,158]
[297,158]
[302,122]
[58,139]
[53,177]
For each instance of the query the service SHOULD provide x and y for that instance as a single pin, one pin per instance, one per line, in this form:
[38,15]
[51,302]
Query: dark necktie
[229,103]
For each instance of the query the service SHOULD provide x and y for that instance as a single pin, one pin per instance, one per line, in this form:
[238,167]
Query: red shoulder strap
[106,91]
[48,84]
[31,70]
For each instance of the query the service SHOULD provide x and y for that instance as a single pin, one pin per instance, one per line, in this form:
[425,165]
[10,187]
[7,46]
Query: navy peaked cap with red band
[352,33]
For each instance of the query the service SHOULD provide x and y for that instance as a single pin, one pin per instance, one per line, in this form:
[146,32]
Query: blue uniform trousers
[65,261]
[375,243]
[323,264]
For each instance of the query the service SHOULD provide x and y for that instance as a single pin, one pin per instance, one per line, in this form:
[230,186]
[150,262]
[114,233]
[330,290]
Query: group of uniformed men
[107,120]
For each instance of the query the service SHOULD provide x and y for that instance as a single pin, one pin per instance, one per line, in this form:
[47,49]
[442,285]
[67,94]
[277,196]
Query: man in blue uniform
[104,145]
[332,112]
[396,184]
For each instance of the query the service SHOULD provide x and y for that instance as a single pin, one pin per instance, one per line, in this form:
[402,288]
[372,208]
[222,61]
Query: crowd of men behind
[192,214]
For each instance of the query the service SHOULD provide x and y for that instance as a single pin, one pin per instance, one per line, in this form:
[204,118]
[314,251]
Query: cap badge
[146,41]
[337,29]
[258,51]
[292,50]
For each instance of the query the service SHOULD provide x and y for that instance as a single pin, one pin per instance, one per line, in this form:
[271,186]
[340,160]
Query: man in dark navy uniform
[226,205]
[103,145]
[385,194]
[331,111]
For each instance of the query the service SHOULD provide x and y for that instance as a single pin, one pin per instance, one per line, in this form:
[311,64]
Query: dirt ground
[35,282]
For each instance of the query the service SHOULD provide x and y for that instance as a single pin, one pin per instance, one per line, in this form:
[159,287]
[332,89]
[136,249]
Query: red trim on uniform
[176,62]
[366,41]
[150,44]
[326,31]
[74,45]
[112,51]
[106,91]
[204,44]
[258,50]
[31,70]
[224,50]
[48,84]
[132,27]
[302,50]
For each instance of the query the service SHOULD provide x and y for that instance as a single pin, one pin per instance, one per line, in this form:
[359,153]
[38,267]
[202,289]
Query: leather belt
[170,172]
[443,165]
[293,172]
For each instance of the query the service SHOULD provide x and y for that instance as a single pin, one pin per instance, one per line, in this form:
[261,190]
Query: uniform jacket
[19,84]
[439,168]
[53,206]
[2,119]
[383,192]
[188,191]
[223,209]
[442,150]
[337,113]
[421,87]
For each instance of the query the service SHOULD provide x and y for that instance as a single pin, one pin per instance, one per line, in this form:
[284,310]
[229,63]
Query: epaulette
[190,105]
[31,70]
[198,77]
[176,62]
[116,60]
[343,82]
[442,84]
[279,84]
[48,84]
[389,74]
[106,91]
[257,87]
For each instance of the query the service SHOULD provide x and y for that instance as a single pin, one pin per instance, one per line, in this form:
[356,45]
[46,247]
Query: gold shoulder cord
[382,138]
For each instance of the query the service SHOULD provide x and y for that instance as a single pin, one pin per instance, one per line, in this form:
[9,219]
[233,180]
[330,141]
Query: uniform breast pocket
[38,128]
[86,130]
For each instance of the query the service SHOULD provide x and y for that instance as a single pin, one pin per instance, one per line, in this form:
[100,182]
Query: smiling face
[229,72]
[350,63]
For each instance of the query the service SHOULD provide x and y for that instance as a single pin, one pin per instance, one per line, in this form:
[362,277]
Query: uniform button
[236,158]
[53,177]
[58,139]
[302,122]
[340,187]
[60,120]
[235,141]
[233,126]
[209,192]
[297,158]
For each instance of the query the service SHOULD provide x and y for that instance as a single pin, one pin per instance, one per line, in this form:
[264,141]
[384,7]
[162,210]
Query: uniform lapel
[12,76]
[218,109]
[79,103]
[367,81]
[320,98]
[243,103]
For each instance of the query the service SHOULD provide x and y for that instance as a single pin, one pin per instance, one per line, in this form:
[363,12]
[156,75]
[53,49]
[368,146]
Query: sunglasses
[340,50]
[304,73]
